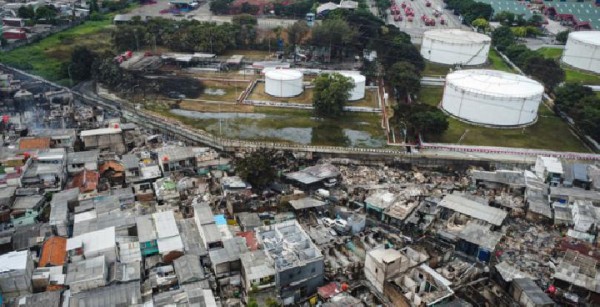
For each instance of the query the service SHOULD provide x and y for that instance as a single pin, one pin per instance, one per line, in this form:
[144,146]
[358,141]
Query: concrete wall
[312,272]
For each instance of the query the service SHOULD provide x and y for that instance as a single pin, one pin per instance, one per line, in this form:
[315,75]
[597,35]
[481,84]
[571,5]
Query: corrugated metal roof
[165,224]
[166,245]
[94,241]
[127,294]
[188,269]
[474,209]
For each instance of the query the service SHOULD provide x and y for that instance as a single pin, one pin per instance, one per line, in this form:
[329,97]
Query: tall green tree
[393,45]
[26,12]
[503,37]
[330,94]
[333,33]
[245,26]
[430,122]
[548,71]
[46,12]
[405,78]
[257,168]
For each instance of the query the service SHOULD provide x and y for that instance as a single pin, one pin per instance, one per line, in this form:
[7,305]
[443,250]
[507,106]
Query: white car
[327,221]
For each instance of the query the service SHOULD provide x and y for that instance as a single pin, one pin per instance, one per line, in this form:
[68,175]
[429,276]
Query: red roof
[328,291]
[86,181]
[54,252]
[250,239]
[34,143]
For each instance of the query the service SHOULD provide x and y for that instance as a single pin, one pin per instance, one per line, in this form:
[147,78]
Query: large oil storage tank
[283,83]
[583,51]
[491,97]
[454,46]
[358,91]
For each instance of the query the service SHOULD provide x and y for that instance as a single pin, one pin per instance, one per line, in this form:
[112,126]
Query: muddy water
[271,127]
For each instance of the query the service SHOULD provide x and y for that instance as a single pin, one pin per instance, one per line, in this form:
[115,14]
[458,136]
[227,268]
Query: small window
[376,270]
[313,270]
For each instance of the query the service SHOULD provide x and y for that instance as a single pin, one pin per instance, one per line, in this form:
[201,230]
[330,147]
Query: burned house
[315,176]
[103,139]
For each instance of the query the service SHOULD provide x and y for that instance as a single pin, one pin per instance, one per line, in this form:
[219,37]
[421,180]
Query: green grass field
[497,63]
[583,77]
[552,53]
[431,95]
[47,57]
[550,131]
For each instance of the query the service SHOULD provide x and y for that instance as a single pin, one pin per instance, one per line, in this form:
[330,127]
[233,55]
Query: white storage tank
[454,46]
[283,83]
[491,97]
[359,81]
[583,51]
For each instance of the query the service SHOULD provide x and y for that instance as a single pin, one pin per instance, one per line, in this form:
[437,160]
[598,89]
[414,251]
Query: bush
[95,16]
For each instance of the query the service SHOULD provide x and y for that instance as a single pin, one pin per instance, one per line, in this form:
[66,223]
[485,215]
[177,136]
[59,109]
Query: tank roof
[590,37]
[456,36]
[284,74]
[495,83]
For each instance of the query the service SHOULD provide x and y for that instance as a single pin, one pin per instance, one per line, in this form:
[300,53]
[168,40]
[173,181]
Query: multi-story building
[298,262]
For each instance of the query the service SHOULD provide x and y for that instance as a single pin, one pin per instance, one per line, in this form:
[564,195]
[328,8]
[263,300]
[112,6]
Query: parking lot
[203,13]
[417,27]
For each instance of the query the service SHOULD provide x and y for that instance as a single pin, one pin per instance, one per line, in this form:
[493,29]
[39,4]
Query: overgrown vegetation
[581,104]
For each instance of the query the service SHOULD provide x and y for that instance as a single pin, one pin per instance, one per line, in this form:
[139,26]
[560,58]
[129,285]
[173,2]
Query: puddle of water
[255,126]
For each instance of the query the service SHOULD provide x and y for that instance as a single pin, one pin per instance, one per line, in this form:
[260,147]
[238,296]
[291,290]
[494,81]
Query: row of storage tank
[454,46]
[289,83]
[480,96]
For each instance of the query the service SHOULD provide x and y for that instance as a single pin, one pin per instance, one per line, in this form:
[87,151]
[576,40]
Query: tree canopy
[561,37]
[582,105]
[405,78]
[257,168]
[335,33]
[420,118]
[503,37]
[330,94]
[547,71]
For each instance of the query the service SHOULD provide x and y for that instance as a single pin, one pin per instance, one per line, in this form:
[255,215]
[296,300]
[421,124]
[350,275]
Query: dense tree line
[181,36]
[581,104]
[471,10]
[533,63]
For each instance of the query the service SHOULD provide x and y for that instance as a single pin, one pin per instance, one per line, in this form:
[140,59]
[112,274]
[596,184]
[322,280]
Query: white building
[15,273]
[550,169]
[382,264]
[585,215]
[93,244]
[490,97]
